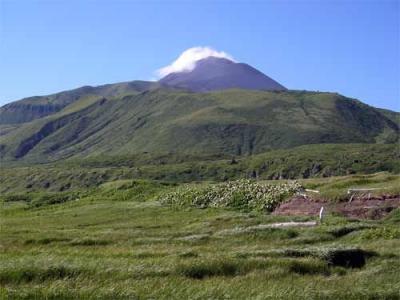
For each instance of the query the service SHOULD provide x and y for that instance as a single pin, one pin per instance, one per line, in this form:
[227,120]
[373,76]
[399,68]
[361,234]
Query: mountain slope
[28,109]
[212,74]
[232,122]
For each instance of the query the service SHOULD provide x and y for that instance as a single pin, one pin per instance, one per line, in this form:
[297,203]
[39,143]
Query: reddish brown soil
[363,208]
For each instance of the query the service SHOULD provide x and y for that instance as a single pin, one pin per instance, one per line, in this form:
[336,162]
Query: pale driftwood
[251,229]
[353,192]
[312,191]
[362,190]
[284,224]
[304,195]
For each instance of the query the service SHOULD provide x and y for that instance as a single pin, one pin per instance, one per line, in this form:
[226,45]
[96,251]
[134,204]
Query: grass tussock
[45,241]
[26,275]
[341,231]
[203,269]
[309,267]
[200,269]
[346,258]
[89,242]
[260,232]
[386,233]
[149,255]
[188,254]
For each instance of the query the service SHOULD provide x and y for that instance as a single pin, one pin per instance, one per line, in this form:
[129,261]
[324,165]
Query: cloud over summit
[187,60]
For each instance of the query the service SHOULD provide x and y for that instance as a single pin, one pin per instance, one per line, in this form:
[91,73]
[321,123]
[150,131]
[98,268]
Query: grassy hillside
[233,122]
[312,161]
[394,116]
[28,109]
[118,242]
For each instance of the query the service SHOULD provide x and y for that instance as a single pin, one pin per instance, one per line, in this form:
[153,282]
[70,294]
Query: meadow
[117,241]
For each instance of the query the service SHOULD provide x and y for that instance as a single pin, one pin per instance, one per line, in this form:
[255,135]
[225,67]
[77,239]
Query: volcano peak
[216,73]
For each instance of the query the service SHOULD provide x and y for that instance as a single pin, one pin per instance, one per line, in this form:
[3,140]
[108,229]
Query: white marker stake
[321,214]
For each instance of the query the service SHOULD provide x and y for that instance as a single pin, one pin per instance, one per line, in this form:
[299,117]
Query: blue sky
[351,47]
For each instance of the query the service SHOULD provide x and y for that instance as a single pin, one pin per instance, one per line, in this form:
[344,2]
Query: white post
[321,214]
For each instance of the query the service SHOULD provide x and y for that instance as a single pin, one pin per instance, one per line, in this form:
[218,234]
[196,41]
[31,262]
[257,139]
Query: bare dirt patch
[362,208]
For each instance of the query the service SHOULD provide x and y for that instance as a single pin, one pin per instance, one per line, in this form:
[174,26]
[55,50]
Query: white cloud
[187,60]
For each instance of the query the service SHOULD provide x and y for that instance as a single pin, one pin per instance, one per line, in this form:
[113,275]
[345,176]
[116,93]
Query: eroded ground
[359,207]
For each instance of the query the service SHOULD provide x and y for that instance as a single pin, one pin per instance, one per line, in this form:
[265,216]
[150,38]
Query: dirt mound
[363,208]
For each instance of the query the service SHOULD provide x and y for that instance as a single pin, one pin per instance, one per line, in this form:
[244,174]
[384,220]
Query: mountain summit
[214,73]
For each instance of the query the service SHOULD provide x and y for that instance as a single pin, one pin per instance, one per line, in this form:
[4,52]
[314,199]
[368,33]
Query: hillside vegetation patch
[240,194]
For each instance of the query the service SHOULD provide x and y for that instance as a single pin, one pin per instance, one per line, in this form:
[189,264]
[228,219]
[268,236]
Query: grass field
[116,242]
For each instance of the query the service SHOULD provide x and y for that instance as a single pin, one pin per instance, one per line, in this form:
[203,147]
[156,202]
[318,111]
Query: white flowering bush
[241,194]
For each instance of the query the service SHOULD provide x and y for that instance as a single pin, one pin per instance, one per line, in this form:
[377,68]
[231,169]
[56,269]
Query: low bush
[52,198]
[241,194]
[17,197]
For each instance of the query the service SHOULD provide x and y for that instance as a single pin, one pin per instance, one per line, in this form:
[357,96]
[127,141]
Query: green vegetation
[164,121]
[242,194]
[335,188]
[79,223]
[312,161]
[32,108]
[115,241]
[138,191]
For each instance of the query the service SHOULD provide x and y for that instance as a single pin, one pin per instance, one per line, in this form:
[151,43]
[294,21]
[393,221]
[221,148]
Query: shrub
[17,197]
[53,198]
[241,194]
